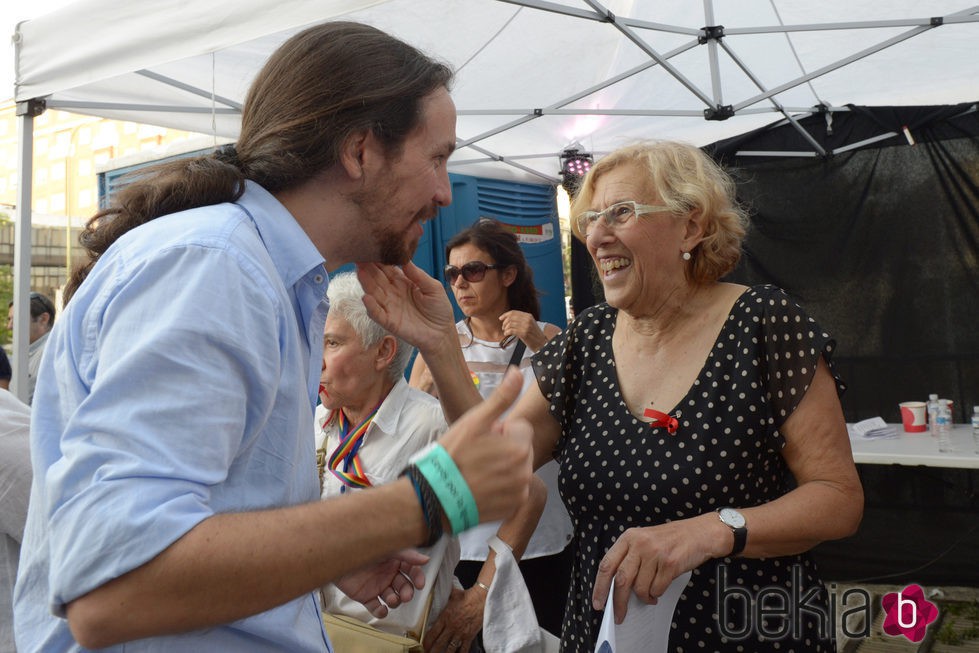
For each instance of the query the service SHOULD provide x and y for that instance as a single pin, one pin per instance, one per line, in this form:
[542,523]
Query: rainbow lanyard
[352,474]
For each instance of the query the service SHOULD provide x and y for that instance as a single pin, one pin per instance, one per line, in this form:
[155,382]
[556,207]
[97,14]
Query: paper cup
[913,416]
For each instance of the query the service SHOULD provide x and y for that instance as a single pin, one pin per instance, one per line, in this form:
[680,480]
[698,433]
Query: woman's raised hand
[408,303]
[524,326]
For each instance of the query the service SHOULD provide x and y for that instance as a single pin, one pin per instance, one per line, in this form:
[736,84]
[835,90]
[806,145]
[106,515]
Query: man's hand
[494,457]
[408,303]
[386,584]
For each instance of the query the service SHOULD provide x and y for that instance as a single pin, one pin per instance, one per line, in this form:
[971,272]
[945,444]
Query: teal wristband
[457,500]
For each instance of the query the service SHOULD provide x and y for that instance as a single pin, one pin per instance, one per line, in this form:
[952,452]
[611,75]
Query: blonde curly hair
[686,180]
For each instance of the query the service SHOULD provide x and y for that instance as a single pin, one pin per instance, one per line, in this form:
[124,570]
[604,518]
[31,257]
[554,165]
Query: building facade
[69,152]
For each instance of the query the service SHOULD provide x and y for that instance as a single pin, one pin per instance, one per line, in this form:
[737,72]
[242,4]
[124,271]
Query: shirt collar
[390,411]
[38,344]
[291,250]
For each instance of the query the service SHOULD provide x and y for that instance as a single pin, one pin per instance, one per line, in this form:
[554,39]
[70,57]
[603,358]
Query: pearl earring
[686,256]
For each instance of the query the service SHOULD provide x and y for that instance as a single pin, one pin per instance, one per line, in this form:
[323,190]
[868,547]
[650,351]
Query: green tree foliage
[6,295]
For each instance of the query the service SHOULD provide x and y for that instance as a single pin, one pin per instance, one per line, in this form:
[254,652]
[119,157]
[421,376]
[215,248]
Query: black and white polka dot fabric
[618,472]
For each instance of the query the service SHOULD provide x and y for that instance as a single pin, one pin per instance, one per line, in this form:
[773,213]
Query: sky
[13,13]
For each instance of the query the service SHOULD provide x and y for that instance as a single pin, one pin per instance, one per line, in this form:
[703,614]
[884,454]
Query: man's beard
[397,247]
[393,248]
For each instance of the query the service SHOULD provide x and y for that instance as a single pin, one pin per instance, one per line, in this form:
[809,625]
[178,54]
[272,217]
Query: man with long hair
[175,498]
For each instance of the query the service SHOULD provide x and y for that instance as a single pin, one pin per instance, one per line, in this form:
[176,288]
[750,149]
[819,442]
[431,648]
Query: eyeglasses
[615,215]
[472,271]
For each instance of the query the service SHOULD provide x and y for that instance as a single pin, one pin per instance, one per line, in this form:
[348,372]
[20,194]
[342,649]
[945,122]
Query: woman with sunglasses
[493,286]
[697,422]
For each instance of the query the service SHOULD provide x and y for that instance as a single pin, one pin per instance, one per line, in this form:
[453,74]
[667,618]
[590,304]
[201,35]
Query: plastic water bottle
[975,428]
[944,426]
[933,415]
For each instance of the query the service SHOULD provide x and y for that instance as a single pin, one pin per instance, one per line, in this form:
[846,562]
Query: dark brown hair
[501,243]
[319,87]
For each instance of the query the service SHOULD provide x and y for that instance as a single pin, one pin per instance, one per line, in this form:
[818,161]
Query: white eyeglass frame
[616,214]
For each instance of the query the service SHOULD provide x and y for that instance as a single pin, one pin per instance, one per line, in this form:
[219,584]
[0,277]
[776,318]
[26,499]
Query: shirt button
[318,278]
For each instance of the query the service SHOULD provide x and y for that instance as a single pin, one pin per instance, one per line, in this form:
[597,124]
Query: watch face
[732,517]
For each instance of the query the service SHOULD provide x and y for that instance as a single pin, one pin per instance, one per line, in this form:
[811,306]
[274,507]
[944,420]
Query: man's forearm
[235,565]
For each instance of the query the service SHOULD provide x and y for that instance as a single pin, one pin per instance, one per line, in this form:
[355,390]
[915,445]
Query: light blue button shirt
[179,383]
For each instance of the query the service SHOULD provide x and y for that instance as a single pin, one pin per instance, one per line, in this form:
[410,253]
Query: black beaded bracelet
[431,507]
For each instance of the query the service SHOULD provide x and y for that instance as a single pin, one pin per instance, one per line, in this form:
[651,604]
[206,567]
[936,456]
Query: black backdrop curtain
[879,244]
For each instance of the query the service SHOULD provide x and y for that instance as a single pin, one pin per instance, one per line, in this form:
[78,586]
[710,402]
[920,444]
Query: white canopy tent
[534,77]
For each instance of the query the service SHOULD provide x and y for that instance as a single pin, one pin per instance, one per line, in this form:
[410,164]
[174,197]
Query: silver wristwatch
[736,522]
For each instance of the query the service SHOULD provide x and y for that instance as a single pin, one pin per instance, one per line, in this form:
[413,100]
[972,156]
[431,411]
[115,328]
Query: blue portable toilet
[529,210]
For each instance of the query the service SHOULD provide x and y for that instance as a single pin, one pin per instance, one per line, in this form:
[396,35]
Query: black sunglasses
[472,271]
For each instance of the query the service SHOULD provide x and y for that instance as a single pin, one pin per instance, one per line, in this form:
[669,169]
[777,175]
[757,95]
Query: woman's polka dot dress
[618,472]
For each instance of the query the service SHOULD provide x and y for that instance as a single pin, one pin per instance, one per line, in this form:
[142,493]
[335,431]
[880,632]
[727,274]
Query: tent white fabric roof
[534,76]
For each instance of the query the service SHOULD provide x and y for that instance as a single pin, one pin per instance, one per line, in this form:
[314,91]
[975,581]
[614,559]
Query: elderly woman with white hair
[368,426]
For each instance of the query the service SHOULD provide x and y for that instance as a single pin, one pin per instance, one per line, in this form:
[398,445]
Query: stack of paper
[875,427]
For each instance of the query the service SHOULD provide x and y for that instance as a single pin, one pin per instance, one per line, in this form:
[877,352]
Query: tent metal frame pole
[539,113]
[193,90]
[866,52]
[22,245]
[713,62]
[602,17]
[682,113]
[73,105]
[831,67]
[786,154]
[556,9]
[532,114]
[806,135]
[956,18]
[757,82]
[496,157]
[866,141]
[652,53]
[965,16]
[846,148]
[516,157]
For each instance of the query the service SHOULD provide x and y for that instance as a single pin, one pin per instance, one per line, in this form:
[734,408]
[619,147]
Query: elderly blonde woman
[697,423]
[368,426]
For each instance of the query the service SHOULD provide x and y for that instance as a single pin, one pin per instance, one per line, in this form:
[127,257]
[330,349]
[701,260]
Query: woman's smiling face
[640,260]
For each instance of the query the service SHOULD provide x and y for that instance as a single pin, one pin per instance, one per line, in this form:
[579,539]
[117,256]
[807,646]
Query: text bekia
[779,612]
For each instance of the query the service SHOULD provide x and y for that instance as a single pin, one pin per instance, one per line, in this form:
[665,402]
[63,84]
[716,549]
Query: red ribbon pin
[661,419]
